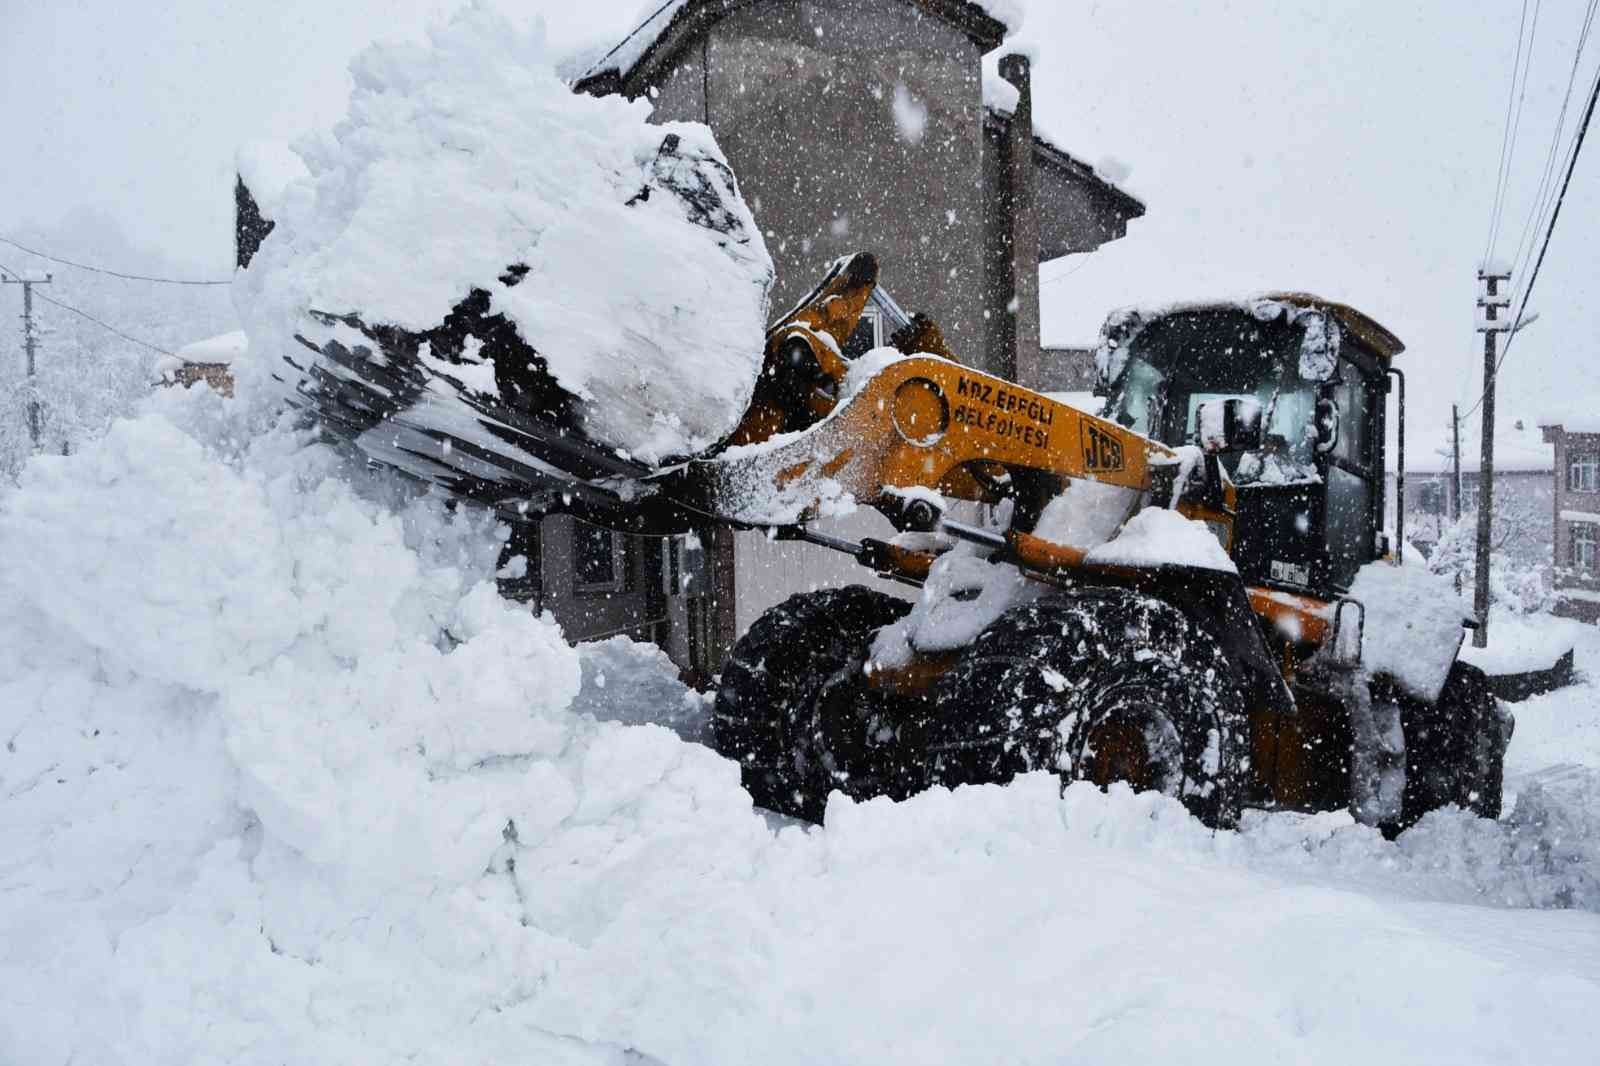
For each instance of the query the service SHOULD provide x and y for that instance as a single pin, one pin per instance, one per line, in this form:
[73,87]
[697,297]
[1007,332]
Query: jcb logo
[1101,451]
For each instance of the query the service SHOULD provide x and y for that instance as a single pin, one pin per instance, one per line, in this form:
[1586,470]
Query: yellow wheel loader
[1069,619]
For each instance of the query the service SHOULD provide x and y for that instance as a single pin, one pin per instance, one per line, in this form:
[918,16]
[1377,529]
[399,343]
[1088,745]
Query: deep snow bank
[283,780]
[620,251]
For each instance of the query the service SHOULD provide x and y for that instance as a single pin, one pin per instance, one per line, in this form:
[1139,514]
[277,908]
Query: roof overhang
[632,64]
[1064,230]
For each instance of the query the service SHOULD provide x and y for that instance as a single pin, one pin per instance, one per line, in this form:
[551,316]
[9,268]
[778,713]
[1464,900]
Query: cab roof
[1364,328]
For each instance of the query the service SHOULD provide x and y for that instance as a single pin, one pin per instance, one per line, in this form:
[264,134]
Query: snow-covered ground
[282,780]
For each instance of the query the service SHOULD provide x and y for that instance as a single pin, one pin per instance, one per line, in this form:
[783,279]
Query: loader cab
[1308,489]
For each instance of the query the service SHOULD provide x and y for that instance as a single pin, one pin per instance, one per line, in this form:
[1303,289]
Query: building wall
[1586,584]
[768,572]
[637,604]
[1060,370]
[801,95]
[807,122]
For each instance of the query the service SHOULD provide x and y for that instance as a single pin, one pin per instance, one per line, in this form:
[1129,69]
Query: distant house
[1522,486]
[210,360]
[1576,507]
[875,125]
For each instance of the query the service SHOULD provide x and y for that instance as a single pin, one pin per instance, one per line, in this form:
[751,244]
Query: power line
[1505,136]
[113,273]
[1541,199]
[1516,128]
[1566,181]
[113,329]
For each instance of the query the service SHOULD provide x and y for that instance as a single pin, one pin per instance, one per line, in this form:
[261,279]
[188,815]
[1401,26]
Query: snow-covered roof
[1578,416]
[1519,447]
[665,23]
[1124,323]
[224,348]
[1000,101]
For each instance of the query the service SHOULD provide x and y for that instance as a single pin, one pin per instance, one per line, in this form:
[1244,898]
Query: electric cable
[112,273]
[105,326]
[1505,135]
[1555,214]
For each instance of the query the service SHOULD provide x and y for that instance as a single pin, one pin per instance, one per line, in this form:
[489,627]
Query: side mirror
[1231,425]
[1325,424]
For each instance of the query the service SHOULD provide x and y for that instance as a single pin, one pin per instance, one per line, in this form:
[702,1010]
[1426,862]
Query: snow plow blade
[429,424]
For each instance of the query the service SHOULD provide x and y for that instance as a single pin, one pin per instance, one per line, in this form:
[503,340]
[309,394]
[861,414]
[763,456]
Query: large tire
[790,679]
[1100,685]
[1456,748]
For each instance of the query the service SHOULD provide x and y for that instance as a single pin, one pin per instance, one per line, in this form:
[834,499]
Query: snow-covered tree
[1513,581]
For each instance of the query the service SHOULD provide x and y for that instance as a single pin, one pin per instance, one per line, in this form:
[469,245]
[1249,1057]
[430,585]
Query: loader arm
[915,423]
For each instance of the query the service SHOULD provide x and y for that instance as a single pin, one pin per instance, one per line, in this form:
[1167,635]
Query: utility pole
[1491,324]
[1455,461]
[30,342]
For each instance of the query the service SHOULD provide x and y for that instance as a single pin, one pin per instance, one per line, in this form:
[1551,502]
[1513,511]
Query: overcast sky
[1348,148]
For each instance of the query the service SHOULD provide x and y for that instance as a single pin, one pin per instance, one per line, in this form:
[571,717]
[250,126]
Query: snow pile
[1413,625]
[270,749]
[282,780]
[620,251]
[1521,642]
[625,681]
[1157,536]
[1546,853]
[1085,513]
[267,169]
[964,593]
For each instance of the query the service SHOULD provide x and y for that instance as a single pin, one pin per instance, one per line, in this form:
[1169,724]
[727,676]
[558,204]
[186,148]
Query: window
[1584,540]
[879,321]
[867,336]
[597,559]
[1357,398]
[1583,474]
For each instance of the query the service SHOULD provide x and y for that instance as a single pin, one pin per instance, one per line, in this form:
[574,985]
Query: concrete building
[1575,507]
[871,125]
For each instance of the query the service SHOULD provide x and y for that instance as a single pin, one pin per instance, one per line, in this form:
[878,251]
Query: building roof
[1049,157]
[628,67]
[1576,416]
[223,349]
[675,22]
[1519,448]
